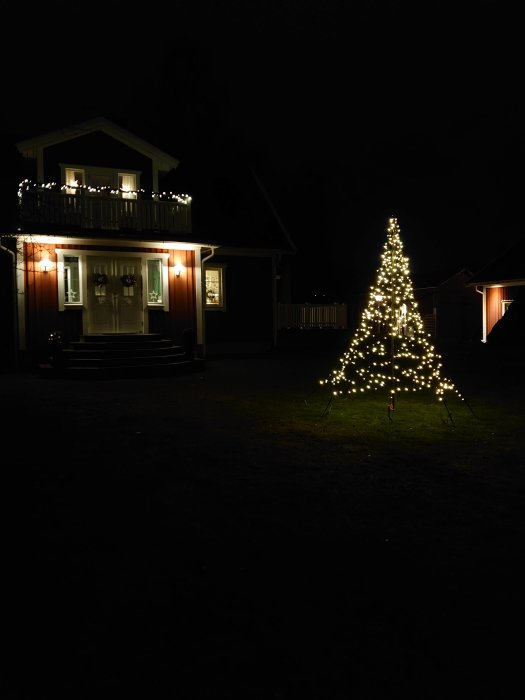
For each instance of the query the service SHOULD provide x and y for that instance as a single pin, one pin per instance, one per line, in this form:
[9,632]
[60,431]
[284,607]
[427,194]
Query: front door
[114,298]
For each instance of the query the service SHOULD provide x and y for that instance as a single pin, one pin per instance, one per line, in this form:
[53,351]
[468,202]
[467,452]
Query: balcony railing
[106,213]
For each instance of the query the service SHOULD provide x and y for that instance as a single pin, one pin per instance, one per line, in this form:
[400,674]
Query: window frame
[505,304]
[69,188]
[112,174]
[124,194]
[221,268]
[62,253]
[164,282]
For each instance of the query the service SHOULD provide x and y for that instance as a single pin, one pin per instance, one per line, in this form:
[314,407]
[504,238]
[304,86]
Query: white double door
[114,294]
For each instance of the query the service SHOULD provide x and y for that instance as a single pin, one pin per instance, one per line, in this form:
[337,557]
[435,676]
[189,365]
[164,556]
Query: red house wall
[493,307]
[41,295]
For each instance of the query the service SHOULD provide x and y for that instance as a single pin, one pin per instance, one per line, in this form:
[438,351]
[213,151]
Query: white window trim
[165,257]
[505,303]
[91,170]
[66,252]
[222,306]
[133,193]
[64,168]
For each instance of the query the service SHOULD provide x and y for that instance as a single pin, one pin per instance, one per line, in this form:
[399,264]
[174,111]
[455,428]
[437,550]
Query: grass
[459,429]
[477,430]
[223,535]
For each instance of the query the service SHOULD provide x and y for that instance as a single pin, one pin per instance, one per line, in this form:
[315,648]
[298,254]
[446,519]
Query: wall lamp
[178,269]
[46,264]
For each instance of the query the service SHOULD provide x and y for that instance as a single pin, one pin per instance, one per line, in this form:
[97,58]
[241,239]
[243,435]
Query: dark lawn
[214,535]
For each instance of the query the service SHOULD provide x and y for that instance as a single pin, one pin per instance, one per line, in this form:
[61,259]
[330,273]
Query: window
[154,268]
[71,280]
[156,284]
[101,181]
[127,184]
[505,303]
[214,287]
[75,178]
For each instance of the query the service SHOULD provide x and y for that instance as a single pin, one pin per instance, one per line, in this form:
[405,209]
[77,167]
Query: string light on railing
[26,185]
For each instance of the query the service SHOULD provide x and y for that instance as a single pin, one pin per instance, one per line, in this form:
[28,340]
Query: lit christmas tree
[390,349]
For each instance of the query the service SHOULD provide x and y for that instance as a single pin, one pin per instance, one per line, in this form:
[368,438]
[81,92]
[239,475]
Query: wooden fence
[312,316]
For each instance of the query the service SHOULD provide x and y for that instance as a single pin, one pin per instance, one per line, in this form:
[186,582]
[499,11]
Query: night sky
[348,113]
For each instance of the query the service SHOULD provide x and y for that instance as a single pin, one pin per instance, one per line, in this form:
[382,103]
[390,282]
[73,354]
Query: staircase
[115,355]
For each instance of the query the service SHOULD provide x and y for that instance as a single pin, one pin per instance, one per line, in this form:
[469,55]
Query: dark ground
[172,538]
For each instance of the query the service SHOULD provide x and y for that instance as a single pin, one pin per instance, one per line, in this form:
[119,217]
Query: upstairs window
[127,184]
[101,181]
[75,179]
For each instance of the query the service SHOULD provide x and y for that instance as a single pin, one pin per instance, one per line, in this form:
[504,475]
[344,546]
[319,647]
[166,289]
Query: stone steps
[118,355]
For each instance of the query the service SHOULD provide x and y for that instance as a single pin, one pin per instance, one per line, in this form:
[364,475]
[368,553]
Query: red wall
[494,297]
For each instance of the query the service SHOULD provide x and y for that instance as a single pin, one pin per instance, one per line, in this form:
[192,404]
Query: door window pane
[128,279]
[100,280]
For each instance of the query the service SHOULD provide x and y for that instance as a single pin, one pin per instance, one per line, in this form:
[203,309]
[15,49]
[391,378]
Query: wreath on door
[100,278]
[128,280]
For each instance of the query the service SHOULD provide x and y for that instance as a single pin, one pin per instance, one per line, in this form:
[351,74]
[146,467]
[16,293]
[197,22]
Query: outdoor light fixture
[178,269]
[45,264]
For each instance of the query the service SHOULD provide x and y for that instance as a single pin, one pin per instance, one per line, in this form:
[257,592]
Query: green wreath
[128,280]
[100,278]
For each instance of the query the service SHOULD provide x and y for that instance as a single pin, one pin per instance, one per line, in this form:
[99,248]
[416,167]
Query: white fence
[312,316]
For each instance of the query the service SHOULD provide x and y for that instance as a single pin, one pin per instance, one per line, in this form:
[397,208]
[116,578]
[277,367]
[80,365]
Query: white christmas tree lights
[390,349]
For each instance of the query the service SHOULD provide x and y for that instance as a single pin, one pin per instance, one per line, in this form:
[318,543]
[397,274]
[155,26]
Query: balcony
[85,211]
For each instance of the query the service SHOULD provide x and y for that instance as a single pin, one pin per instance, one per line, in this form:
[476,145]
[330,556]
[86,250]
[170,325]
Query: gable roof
[508,267]
[425,282]
[164,161]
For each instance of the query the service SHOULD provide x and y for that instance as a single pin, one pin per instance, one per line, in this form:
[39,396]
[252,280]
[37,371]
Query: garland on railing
[26,185]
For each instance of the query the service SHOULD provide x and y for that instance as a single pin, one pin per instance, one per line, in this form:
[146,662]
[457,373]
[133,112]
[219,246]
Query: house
[103,250]
[501,284]
[450,310]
